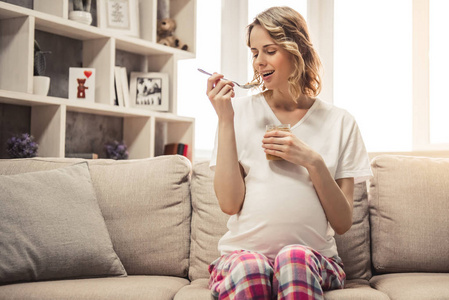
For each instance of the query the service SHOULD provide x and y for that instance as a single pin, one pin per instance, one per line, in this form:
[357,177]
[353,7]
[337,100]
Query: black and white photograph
[149,90]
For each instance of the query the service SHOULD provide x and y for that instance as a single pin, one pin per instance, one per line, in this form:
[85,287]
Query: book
[171,149]
[82,155]
[114,94]
[125,87]
[180,149]
[118,86]
[176,148]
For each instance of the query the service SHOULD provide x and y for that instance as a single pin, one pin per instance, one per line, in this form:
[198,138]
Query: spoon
[243,86]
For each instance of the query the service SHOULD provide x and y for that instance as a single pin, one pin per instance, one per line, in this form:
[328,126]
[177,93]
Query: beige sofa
[164,223]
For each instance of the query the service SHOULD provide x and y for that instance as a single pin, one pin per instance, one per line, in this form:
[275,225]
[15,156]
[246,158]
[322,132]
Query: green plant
[82,5]
[40,63]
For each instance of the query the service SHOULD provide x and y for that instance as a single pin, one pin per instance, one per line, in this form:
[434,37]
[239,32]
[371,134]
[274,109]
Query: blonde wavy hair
[288,29]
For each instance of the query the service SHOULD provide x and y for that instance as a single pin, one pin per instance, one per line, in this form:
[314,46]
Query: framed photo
[149,90]
[119,16]
[82,84]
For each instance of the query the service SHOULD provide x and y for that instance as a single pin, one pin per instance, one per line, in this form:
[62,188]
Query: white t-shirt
[281,206]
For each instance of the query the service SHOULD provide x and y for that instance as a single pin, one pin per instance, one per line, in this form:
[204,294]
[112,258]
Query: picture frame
[119,16]
[149,90]
[82,84]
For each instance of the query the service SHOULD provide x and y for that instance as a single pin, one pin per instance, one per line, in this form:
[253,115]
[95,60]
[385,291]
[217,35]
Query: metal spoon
[243,86]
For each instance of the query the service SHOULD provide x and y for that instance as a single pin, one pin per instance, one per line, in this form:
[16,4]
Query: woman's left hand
[287,146]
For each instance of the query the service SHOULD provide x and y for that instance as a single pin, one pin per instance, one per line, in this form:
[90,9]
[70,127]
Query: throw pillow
[354,246]
[408,201]
[146,207]
[52,227]
[208,221]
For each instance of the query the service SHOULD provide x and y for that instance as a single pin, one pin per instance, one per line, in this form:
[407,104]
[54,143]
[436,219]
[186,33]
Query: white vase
[41,85]
[81,17]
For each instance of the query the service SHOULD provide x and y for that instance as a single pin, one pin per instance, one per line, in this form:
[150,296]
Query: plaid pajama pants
[298,272]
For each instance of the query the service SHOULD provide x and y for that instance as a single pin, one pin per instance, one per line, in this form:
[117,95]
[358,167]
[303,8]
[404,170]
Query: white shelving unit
[141,128]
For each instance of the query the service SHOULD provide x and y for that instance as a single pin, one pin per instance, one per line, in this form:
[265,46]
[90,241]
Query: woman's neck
[284,101]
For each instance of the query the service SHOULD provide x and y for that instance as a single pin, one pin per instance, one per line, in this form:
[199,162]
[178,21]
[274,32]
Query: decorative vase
[81,16]
[41,85]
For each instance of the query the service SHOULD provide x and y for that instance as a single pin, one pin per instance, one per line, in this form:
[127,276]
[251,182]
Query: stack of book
[121,92]
[176,148]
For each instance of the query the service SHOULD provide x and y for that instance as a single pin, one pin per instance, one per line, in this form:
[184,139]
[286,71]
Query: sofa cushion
[409,201]
[208,221]
[52,227]
[354,290]
[133,287]
[354,246]
[145,204]
[198,289]
[406,286]
[25,165]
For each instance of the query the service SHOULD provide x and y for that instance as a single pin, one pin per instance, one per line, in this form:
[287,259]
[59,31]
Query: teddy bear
[172,41]
[165,36]
[81,88]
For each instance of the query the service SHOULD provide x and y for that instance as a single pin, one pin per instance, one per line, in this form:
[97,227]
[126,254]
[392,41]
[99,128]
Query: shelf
[71,29]
[139,46]
[25,99]
[51,24]
[60,125]
[9,11]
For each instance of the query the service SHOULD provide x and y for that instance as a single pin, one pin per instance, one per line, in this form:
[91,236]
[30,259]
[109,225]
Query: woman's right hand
[229,185]
[220,92]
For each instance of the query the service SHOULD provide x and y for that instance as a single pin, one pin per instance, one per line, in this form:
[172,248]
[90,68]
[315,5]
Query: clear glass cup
[281,127]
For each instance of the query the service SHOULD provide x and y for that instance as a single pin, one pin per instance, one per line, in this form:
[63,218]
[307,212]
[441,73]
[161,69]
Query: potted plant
[81,12]
[116,150]
[41,83]
[21,146]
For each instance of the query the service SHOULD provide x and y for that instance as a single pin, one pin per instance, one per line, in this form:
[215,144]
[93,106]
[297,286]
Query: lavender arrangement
[116,150]
[21,146]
